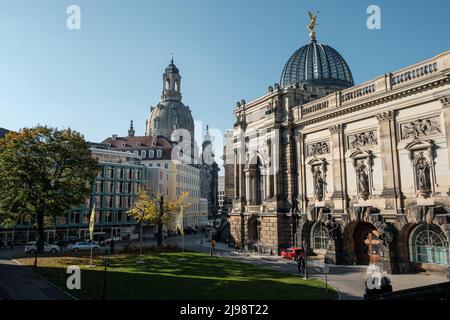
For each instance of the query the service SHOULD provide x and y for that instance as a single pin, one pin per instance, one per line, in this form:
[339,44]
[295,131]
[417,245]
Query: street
[18,283]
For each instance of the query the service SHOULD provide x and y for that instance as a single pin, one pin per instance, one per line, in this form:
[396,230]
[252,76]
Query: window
[151,153]
[319,237]
[159,153]
[143,154]
[166,165]
[428,244]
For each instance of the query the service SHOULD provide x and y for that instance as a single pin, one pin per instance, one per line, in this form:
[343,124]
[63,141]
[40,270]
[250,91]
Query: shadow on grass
[199,277]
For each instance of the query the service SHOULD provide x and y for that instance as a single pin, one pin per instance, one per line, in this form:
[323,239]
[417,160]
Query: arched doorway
[361,242]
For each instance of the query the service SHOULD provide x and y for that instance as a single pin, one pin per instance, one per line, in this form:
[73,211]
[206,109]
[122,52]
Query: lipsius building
[340,168]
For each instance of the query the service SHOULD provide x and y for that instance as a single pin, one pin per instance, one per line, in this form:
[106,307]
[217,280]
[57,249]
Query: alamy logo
[374,20]
[73,22]
[74,280]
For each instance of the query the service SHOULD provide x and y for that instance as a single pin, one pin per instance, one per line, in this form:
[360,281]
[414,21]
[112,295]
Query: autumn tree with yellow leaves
[151,207]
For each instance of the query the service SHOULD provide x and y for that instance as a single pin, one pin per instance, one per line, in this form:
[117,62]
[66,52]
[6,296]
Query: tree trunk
[160,225]
[159,238]
[41,231]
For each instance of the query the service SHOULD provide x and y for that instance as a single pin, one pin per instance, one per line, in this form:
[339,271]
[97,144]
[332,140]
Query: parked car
[83,246]
[190,230]
[108,240]
[31,247]
[292,253]
[67,240]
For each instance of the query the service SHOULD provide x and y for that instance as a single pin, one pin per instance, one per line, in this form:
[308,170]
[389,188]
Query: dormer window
[139,144]
[159,153]
[123,144]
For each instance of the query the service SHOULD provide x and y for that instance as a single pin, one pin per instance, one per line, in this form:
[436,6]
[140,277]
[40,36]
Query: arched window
[156,123]
[159,153]
[151,153]
[319,237]
[428,244]
[143,154]
[167,84]
[177,86]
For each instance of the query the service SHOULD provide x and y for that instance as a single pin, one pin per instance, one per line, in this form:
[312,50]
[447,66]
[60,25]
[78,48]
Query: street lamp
[140,260]
[106,263]
[306,260]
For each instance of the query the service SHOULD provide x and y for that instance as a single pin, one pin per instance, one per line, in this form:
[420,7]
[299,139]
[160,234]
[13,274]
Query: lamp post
[305,249]
[106,263]
[140,260]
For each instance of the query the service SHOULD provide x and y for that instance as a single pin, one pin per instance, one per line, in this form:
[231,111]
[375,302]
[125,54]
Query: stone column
[339,195]
[301,172]
[446,112]
[247,187]
[236,176]
[389,161]
[276,169]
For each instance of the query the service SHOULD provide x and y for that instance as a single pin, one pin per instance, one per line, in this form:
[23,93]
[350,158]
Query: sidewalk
[348,280]
[18,283]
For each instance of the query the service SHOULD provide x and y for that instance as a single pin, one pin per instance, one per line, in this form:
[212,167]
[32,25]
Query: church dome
[168,116]
[317,64]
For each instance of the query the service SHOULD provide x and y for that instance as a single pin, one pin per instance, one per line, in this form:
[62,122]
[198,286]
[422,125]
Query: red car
[292,253]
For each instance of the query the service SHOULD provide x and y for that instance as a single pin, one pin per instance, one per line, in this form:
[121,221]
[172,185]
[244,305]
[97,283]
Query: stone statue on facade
[363,179]
[318,183]
[423,175]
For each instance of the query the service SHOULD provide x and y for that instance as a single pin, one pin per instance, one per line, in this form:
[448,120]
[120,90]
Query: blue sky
[97,79]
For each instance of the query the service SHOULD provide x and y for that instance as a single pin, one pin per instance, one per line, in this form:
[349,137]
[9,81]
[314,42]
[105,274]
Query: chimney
[114,136]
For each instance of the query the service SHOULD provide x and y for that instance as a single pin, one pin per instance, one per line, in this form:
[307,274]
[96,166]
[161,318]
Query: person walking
[301,264]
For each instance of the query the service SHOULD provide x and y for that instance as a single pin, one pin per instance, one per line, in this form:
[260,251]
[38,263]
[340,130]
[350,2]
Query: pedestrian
[213,244]
[301,264]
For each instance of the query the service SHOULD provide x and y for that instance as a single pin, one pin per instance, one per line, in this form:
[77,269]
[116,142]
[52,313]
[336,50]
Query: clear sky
[97,79]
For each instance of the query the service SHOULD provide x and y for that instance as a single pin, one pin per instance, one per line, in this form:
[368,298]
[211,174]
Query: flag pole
[91,234]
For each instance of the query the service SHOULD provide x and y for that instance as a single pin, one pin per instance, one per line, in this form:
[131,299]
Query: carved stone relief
[318,148]
[362,139]
[420,128]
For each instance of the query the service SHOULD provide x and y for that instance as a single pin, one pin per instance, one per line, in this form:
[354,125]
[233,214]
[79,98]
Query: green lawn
[164,276]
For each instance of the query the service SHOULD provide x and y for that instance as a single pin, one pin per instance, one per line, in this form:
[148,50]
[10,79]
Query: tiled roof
[3,132]
[138,143]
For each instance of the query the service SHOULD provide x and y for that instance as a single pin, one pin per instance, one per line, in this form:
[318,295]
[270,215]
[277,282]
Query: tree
[153,208]
[43,173]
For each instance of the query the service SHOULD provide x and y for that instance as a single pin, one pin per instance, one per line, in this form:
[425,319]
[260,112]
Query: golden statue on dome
[312,24]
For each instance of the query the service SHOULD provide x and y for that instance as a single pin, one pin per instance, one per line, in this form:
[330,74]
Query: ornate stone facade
[343,163]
